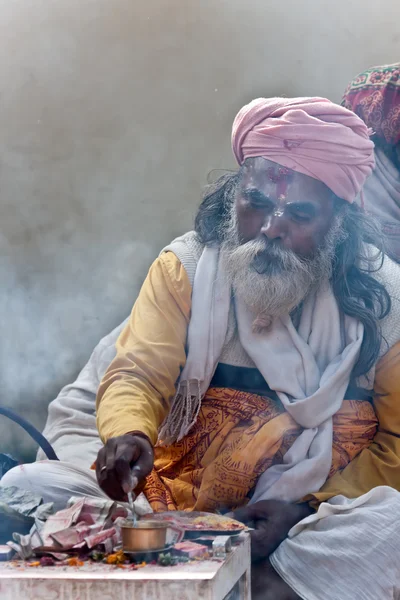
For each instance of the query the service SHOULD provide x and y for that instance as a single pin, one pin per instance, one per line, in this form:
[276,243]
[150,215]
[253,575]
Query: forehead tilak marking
[282,177]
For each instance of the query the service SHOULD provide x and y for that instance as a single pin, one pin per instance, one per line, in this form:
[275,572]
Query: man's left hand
[272,521]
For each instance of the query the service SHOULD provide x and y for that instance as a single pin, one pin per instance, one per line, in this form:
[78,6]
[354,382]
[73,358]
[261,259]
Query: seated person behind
[375,97]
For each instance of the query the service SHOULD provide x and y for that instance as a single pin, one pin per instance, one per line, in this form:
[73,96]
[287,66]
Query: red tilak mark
[282,177]
[281,188]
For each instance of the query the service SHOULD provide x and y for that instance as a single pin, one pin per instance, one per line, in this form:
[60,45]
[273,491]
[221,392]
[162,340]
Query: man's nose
[275,226]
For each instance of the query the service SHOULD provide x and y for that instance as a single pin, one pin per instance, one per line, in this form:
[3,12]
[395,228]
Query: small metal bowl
[145,536]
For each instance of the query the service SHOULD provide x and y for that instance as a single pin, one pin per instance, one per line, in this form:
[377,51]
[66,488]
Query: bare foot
[266,584]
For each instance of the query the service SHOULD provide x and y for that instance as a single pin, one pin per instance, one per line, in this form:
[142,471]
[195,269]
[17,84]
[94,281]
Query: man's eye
[301,214]
[260,204]
[301,217]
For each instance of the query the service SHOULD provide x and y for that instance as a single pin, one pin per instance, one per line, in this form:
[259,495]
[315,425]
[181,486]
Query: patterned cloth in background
[374,95]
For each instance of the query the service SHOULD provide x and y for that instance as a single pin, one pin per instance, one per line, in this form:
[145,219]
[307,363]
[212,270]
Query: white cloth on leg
[348,550]
[58,481]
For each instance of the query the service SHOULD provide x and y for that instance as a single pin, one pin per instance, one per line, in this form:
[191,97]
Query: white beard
[271,280]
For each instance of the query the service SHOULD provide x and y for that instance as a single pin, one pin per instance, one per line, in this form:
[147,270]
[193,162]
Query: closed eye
[257,199]
[301,212]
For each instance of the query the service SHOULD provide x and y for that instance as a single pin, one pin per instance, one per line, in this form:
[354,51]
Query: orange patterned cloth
[237,436]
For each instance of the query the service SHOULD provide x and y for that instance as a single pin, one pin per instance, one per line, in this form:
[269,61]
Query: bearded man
[259,370]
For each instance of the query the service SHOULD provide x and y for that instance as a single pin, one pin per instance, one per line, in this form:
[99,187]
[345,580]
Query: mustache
[269,257]
[263,265]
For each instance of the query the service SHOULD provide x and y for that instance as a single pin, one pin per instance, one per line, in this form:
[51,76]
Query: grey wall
[111,114]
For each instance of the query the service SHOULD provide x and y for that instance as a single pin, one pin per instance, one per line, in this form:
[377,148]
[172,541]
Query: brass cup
[145,536]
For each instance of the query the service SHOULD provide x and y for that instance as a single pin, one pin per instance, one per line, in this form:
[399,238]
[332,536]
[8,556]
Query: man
[253,352]
[374,95]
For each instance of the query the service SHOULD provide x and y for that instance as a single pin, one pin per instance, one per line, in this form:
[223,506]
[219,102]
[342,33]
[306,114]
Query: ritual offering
[200,523]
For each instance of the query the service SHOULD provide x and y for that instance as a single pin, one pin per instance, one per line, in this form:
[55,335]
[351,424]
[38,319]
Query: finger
[100,463]
[111,447]
[123,458]
[107,477]
[264,509]
[145,462]
[137,474]
[112,487]
[246,514]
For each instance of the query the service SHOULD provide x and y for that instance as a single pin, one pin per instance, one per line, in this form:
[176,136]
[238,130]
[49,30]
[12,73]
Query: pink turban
[313,136]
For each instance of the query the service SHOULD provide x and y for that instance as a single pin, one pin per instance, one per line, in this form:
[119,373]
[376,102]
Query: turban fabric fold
[313,136]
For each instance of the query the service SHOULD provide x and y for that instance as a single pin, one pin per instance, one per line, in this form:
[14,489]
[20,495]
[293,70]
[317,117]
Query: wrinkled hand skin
[272,521]
[115,462]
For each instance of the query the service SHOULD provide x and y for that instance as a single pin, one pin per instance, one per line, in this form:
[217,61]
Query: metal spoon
[132,507]
[131,496]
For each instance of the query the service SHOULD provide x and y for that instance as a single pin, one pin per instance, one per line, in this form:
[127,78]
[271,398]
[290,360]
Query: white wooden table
[200,580]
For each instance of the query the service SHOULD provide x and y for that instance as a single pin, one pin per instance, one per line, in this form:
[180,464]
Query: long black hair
[358,293]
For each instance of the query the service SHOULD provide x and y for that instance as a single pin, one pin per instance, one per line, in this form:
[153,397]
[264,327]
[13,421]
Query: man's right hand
[115,462]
